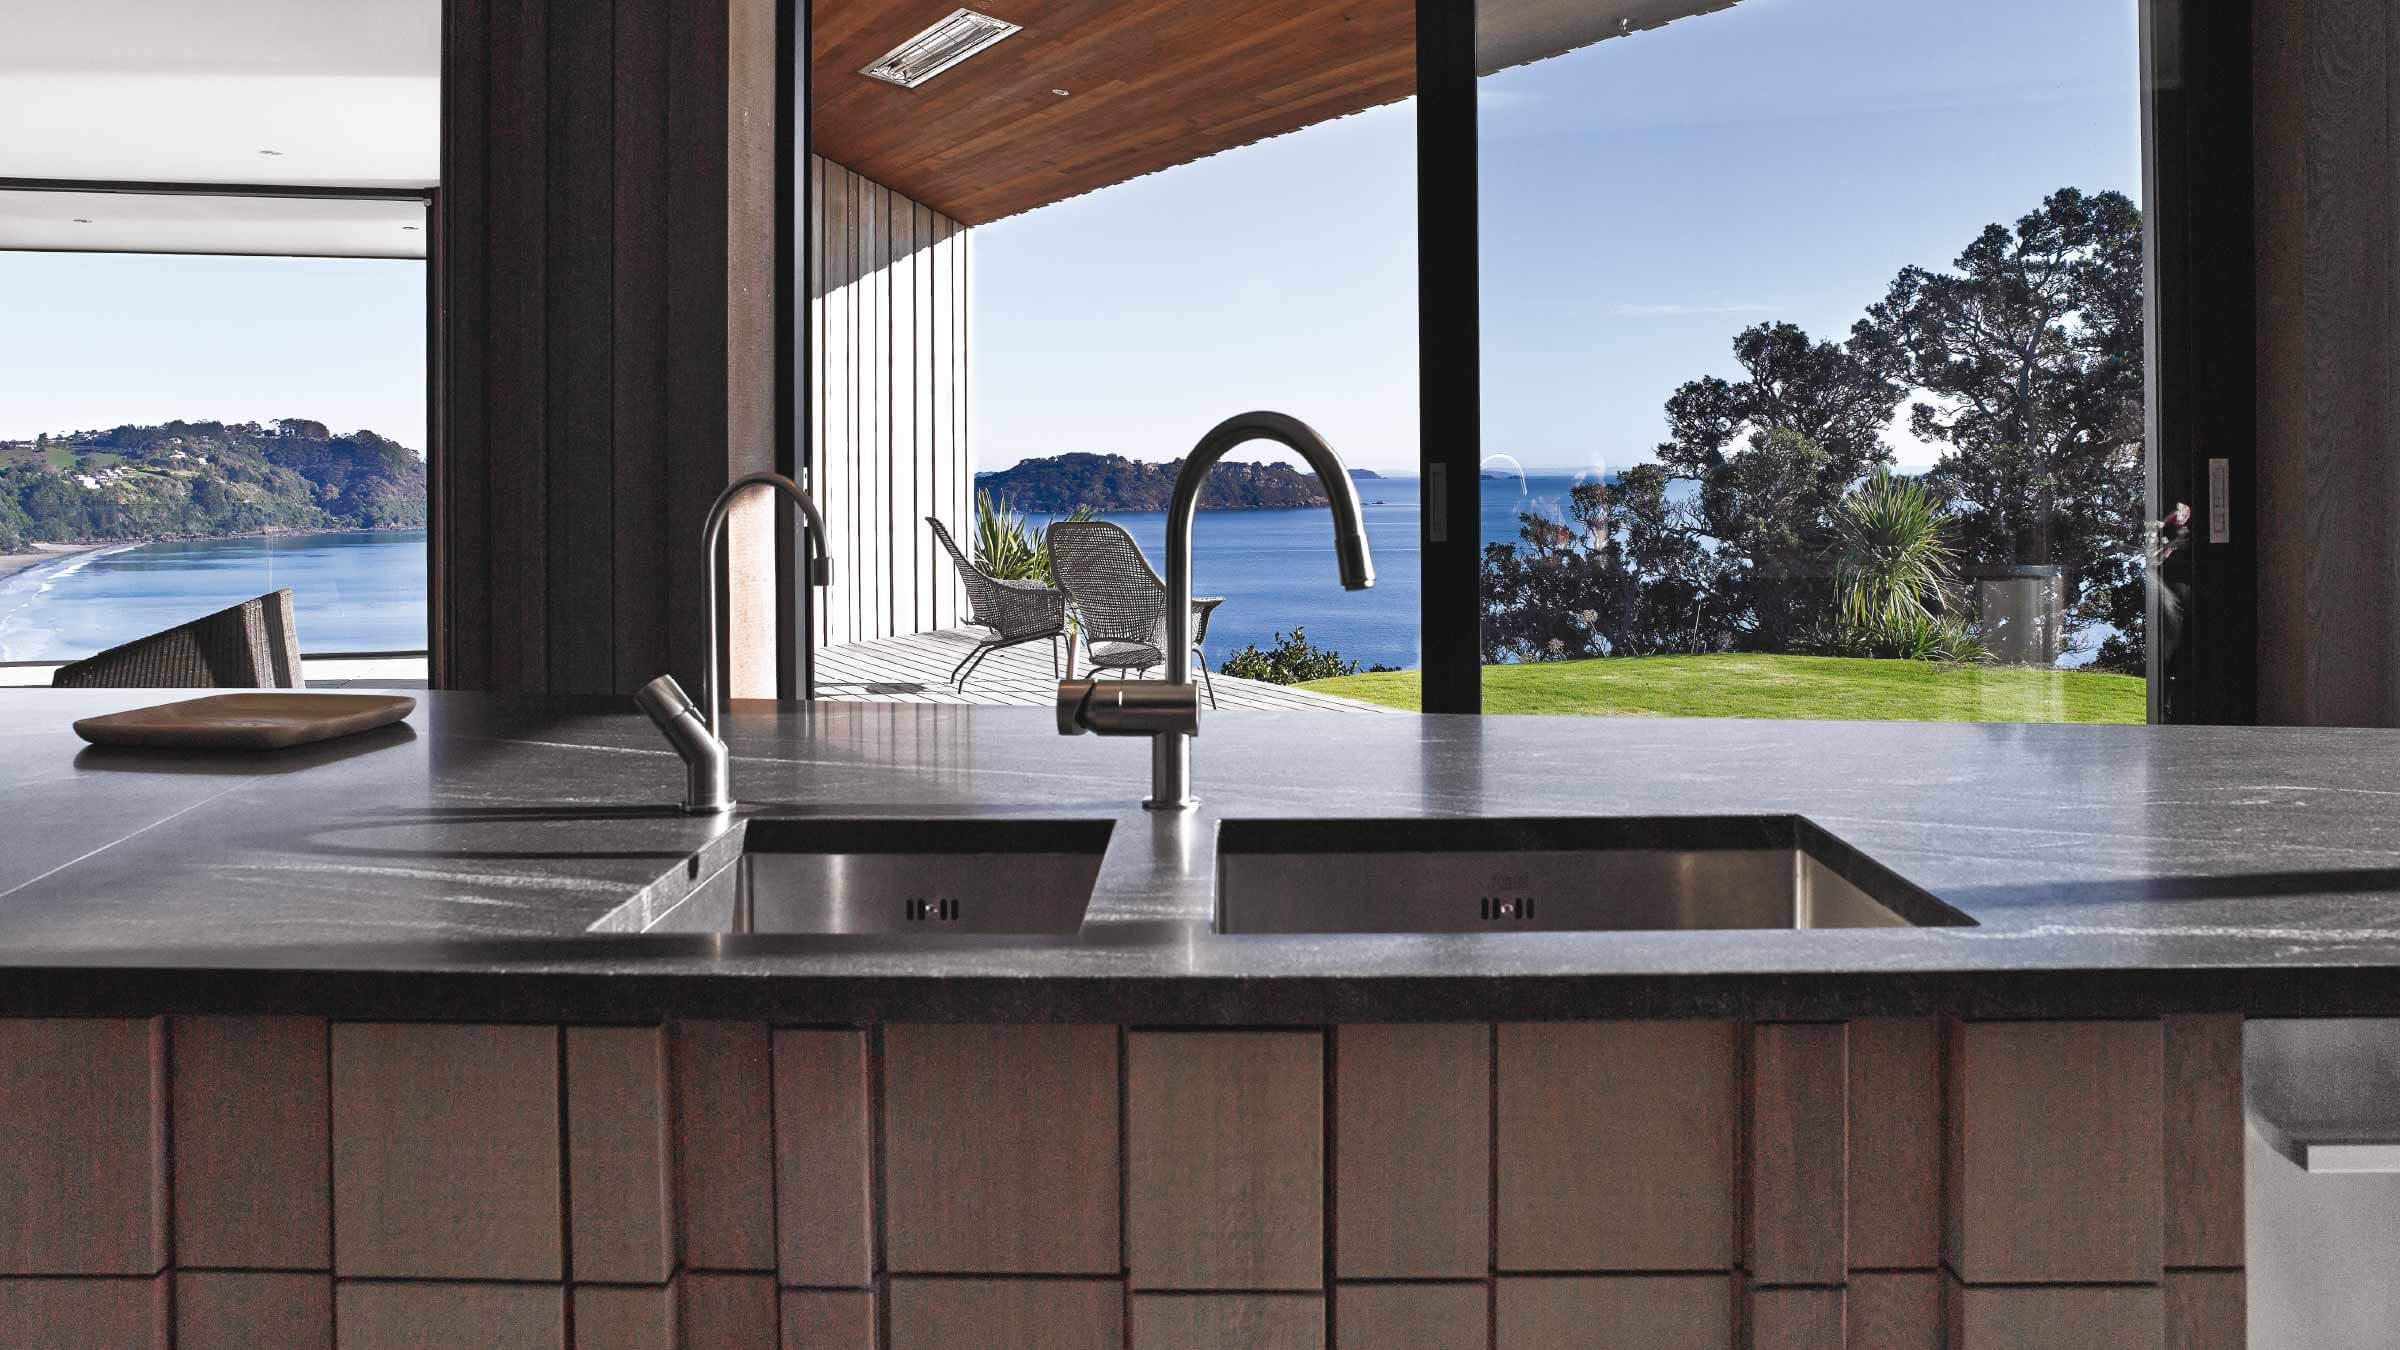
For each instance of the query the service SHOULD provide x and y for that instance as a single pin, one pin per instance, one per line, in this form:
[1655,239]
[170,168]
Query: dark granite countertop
[496,858]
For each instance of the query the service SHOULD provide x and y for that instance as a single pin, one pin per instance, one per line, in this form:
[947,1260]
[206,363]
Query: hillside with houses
[199,480]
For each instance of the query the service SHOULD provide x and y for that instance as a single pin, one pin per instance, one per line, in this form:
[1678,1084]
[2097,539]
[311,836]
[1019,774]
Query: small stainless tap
[707,765]
[1168,712]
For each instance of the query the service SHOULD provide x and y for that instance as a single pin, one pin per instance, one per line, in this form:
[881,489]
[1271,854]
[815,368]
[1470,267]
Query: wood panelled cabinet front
[1692,1185]
[1616,1146]
[1225,1158]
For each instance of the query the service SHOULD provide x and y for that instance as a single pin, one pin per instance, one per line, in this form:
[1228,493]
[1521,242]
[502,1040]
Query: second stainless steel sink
[1555,874]
[918,876]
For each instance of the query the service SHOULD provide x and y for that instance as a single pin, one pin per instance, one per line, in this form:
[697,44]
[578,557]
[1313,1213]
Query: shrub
[1007,548]
[1293,661]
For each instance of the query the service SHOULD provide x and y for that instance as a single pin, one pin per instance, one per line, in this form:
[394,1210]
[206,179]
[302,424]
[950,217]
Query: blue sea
[354,592]
[366,591]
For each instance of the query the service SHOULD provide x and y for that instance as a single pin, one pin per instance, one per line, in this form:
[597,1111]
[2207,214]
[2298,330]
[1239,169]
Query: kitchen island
[442,1027]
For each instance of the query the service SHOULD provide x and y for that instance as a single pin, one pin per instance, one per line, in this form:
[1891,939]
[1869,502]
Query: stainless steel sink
[1557,874]
[934,875]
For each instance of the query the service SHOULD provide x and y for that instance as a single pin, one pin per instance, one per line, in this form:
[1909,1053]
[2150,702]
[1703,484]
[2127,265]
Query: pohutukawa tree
[2028,361]
[1772,455]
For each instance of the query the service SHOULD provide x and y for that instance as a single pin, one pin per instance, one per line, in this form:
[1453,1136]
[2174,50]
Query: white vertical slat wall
[888,309]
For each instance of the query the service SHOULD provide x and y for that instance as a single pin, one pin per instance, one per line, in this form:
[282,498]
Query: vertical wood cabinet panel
[1616,1146]
[822,1161]
[2204,1141]
[1412,1316]
[1896,1108]
[624,1317]
[250,1310]
[1218,1321]
[83,1169]
[2055,1152]
[725,1135]
[446,1151]
[828,1319]
[1008,1314]
[1617,1312]
[381,1315]
[2206,1310]
[1796,1191]
[84,1314]
[725,1312]
[1797,1319]
[253,1155]
[1001,1149]
[621,1219]
[2064,1317]
[1412,1113]
[1895,1311]
[1226,1151]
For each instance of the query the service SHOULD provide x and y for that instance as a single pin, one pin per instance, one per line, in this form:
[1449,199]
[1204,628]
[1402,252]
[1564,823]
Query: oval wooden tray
[256,721]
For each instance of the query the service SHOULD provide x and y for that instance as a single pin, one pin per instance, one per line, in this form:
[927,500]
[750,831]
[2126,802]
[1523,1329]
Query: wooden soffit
[1149,84]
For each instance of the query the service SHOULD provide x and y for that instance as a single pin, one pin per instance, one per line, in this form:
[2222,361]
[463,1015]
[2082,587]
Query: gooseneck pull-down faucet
[1169,712]
[708,777]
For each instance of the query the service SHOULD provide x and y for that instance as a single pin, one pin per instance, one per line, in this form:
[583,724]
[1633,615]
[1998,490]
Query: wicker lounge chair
[250,646]
[1120,603]
[1017,612]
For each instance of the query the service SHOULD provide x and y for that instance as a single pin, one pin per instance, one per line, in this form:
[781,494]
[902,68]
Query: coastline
[13,563]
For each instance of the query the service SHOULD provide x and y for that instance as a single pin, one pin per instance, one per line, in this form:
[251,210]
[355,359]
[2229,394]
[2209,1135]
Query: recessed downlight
[947,42]
[277,153]
[83,220]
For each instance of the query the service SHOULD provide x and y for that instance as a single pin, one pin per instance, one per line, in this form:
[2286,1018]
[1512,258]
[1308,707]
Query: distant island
[1362,475]
[204,480]
[1061,483]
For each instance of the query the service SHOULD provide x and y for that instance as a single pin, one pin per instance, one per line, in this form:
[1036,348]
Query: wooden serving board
[267,720]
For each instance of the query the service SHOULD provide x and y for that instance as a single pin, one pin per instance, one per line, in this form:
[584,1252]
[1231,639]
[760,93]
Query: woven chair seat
[1013,611]
[252,645]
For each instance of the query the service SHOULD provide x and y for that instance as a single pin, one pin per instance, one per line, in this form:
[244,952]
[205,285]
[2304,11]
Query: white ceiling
[349,91]
[127,222]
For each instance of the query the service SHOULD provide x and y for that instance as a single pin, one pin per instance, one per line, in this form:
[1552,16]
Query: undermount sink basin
[1555,874]
[918,876]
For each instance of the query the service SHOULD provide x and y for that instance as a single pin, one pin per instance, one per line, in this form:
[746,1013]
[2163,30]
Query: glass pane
[1812,359]
[182,433]
[1183,231]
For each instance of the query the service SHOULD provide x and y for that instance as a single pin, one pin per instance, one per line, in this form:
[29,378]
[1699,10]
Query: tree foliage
[2021,366]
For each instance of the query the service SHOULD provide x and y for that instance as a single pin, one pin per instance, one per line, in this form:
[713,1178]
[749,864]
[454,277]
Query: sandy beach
[13,563]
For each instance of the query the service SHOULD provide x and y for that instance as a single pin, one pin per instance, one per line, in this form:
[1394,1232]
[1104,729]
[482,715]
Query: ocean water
[366,591]
[1276,568]
[354,592]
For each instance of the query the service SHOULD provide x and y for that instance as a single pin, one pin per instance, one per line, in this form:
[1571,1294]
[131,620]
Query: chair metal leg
[1207,681]
[965,667]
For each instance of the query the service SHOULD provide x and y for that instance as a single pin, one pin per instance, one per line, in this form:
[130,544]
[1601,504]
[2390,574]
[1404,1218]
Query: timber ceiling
[1149,84]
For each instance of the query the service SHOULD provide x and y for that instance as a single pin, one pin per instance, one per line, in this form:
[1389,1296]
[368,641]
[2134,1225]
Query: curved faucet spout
[1170,773]
[820,572]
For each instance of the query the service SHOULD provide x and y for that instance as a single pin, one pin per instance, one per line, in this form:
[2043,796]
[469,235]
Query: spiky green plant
[1007,547]
[1894,567]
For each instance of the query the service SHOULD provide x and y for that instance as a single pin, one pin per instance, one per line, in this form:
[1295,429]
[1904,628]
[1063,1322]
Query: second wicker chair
[1119,602]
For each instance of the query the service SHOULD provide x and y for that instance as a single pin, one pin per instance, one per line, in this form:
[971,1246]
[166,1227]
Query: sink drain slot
[932,911]
[1505,909]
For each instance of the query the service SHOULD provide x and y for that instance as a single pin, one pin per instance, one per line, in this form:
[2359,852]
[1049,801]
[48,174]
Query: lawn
[1835,687]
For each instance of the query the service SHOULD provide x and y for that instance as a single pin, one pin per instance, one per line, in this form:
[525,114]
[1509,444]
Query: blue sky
[1642,201]
[95,340]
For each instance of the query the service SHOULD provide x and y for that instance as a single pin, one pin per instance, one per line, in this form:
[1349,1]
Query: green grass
[1832,687]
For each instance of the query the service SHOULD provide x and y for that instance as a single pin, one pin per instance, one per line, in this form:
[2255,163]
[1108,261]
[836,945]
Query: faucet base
[722,809]
[1178,804]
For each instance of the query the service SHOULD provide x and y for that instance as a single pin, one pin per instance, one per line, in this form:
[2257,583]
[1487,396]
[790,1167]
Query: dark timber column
[2329,363]
[608,344]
